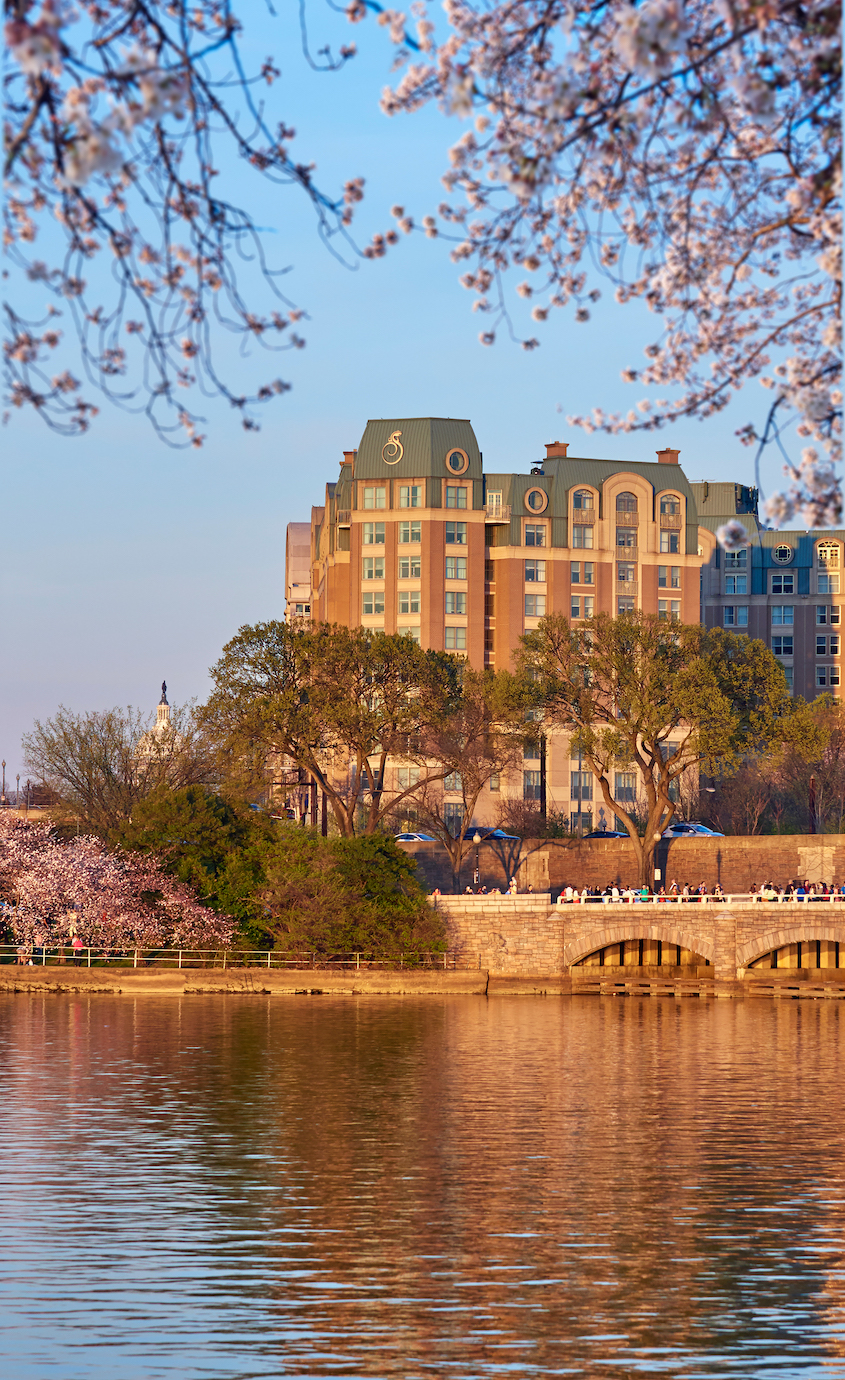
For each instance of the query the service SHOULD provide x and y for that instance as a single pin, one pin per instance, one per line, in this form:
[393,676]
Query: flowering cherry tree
[108,899]
[118,116]
[682,155]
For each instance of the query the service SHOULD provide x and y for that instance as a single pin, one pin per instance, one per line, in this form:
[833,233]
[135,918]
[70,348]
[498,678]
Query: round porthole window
[457,461]
[536,500]
[783,554]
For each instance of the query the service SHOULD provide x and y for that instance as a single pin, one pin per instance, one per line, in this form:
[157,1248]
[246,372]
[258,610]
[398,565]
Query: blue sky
[126,562]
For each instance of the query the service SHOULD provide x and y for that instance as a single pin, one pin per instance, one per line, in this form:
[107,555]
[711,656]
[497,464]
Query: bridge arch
[804,932]
[579,946]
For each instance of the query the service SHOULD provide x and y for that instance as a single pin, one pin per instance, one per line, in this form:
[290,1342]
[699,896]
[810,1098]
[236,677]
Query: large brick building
[415,536]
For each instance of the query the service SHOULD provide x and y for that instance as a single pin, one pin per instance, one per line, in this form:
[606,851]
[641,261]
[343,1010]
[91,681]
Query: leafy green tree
[482,735]
[661,696]
[347,895]
[218,846]
[339,702]
[101,764]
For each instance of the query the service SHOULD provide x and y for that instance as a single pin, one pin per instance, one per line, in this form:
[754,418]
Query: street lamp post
[477,875]
[18,791]
[3,793]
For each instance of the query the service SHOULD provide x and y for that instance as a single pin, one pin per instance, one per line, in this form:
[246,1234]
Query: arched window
[828,555]
[626,503]
[670,506]
[583,499]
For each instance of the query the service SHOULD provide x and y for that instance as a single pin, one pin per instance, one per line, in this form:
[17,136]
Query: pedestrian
[77,947]
[512,887]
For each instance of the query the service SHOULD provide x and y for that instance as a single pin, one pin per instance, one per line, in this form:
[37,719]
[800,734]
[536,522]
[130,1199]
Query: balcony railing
[584,517]
[671,520]
[497,512]
[344,517]
[627,519]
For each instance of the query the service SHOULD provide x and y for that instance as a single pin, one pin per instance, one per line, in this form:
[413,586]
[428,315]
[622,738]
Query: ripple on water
[216,1187]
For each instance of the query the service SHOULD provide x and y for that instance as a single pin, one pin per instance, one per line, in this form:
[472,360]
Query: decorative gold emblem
[393,450]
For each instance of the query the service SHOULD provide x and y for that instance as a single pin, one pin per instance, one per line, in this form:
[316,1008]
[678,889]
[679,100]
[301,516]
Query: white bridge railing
[42,955]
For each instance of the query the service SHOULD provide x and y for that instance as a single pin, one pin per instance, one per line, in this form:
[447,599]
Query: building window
[588,577]
[374,534]
[735,615]
[582,538]
[456,496]
[582,606]
[784,614]
[586,779]
[372,603]
[790,678]
[827,554]
[782,646]
[453,817]
[536,500]
[625,787]
[626,503]
[493,783]
[375,496]
[410,567]
[828,646]
[670,506]
[453,783]
[736,560]
[409,601]
[669,610]
[582,500]
[782,554]
[535,605]
[456,567]
[783,584]
[829,584]
[625,604]
[821,676]
[581,823]
[407,777]
[410,532]
[668,577]
[413,633]
[535,534]
[627,536]
[456,639]
[531,750]
[373,568]
[535,572]
[457,461]
[670,542]
[531,785]
[736,584]
[303,608]
[456,534]
[410,496]
[626,572]
[456,601]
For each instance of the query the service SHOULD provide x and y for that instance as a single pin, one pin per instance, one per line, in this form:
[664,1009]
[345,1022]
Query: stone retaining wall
[736,863]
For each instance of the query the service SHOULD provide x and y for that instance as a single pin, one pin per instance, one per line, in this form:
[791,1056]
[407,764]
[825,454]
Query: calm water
[238,1187]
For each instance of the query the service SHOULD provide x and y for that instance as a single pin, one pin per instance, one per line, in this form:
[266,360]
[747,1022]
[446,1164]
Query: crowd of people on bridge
[613,893]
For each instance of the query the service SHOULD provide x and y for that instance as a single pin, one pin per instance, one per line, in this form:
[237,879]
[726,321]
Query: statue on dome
[163,699]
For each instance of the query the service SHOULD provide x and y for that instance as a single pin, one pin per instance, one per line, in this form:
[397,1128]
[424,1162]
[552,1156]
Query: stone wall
[736,863]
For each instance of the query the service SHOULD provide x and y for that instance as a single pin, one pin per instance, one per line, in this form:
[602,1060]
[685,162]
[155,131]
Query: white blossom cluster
[687,155]
[114,115]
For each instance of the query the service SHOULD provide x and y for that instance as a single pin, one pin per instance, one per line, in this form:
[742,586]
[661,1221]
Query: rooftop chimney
[348,458]
[668,456]
[556,448]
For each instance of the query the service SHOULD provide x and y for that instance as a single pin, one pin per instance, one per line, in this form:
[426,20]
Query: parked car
[606,834]
[684,826]
[489,835]
[414,838]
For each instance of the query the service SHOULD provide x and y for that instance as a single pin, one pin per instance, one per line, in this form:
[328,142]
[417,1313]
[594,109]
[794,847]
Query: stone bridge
[527,936]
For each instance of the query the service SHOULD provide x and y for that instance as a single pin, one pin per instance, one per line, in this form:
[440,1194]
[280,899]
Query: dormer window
[626,503]
[582,500]
[670,506]
[828,555]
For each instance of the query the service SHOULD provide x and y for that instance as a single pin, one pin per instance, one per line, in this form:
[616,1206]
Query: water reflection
[233,1187]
